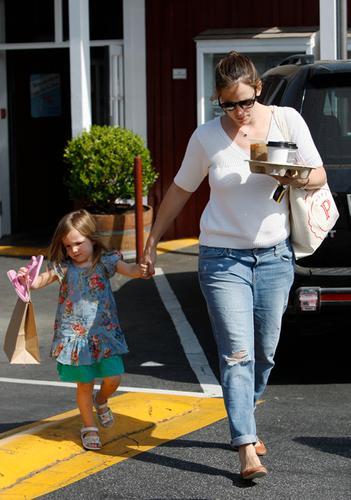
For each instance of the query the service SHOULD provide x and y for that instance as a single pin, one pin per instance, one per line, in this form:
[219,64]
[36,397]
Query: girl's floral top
[86,326]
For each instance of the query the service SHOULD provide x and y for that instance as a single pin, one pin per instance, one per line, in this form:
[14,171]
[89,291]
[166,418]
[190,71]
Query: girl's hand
[23,275]
[133,270]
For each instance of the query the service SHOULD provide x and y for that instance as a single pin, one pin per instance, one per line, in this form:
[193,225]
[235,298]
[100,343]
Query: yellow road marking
[45,456]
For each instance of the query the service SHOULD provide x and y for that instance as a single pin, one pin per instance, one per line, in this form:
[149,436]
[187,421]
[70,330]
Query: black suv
[321,92]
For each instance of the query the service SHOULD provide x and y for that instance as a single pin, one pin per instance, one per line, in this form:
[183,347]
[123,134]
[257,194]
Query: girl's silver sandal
[105,417]
[90,441]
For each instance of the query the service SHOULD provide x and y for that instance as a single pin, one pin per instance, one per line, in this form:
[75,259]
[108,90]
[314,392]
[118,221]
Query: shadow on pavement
[333,445]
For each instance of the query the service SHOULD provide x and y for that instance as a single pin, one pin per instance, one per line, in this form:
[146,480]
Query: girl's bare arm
[171,205]
[43,279]
[132,270]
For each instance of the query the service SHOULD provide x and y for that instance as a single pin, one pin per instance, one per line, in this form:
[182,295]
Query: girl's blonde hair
[235,68]
[84,223]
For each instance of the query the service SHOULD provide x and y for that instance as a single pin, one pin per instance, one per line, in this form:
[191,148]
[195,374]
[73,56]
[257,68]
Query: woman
[246,263]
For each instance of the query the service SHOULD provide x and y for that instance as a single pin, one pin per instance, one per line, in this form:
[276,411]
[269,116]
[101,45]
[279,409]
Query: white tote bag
[313,213]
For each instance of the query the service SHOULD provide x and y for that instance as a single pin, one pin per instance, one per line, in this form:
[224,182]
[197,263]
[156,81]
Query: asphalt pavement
[304,418]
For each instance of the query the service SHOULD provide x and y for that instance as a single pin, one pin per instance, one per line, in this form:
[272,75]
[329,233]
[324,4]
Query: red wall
[171,26]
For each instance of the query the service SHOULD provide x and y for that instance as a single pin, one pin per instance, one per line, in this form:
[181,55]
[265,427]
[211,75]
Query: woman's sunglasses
[230,105]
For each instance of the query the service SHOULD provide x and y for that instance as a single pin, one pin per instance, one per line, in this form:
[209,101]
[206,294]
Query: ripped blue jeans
[246,292]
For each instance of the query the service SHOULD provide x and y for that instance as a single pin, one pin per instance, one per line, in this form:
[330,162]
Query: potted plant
[100,178]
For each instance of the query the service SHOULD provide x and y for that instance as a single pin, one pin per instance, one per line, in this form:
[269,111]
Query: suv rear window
[272,90]
[326,108]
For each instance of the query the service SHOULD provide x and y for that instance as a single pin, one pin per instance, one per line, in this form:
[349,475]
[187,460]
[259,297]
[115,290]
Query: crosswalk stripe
[47,455]
[191,346]
[121,388]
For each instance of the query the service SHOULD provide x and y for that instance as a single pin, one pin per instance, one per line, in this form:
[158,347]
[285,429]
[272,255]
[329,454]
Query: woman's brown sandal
[90,438]
[105,417]
[254,472]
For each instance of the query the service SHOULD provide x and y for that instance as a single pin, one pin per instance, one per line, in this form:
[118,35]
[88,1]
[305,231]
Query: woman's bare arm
[171,205]
[316,179]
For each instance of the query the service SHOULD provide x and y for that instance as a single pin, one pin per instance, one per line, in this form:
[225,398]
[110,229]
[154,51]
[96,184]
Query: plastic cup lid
[282,144]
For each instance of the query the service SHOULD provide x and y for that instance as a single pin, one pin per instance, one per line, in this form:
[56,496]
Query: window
[29,21]
[45,95]
[105,19]
[266,47]
[327,109]
[272,90]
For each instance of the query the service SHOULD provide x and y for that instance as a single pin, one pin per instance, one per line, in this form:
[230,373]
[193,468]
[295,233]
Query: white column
[58,21]
[5,213]
[79,65]
[135,66]
[328,29]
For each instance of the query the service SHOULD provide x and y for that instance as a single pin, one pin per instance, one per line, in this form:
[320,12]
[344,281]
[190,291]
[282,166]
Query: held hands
[148,261]
[137,270]
[145,271]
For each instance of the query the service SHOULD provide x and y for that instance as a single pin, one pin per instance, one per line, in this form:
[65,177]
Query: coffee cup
[258,150]
[281,152]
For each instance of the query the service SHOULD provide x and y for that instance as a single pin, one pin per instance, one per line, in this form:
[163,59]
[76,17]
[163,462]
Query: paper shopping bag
[21,343]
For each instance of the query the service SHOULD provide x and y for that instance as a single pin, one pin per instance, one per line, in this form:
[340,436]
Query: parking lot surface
[171,435]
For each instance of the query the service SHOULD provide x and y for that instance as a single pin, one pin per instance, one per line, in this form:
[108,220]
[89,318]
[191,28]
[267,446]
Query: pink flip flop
[22,290]
[34,268]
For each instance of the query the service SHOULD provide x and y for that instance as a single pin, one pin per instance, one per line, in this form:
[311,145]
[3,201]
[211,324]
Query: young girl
[88,341]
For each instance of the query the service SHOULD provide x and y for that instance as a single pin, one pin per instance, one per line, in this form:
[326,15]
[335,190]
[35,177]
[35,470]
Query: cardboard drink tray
[270,168]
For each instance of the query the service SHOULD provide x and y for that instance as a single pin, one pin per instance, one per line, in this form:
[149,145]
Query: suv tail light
[308,299]
[348,197]
[316,298]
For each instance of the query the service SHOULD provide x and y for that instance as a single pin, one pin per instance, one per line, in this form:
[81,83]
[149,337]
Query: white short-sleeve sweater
[240,212]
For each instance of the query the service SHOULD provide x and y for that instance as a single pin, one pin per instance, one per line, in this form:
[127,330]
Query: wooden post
[139,226]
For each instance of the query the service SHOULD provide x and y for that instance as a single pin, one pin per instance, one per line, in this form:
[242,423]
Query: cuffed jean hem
[247,439]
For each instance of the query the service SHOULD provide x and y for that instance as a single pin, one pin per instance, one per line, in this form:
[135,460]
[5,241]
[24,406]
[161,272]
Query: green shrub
[101,167]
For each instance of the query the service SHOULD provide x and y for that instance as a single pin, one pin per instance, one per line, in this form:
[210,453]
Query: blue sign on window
[45,95]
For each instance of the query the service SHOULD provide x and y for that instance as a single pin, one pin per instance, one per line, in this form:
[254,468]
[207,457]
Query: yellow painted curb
[13,251]
[163,247]
[174,245]
[46,456]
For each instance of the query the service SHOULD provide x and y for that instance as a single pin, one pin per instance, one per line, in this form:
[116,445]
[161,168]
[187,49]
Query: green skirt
[106,367]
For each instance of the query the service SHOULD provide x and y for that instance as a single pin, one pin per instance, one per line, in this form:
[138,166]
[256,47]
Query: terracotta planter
[117,231]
